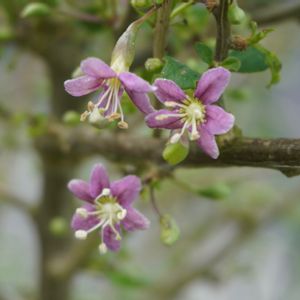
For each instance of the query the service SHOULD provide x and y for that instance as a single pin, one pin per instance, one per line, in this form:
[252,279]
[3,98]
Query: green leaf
[217,191]
[231,63]
[257,37]
[252,60]
[35,9]
[273,63]
[205,52]
[169,230]
[124,279]
[184,76]
[175,153]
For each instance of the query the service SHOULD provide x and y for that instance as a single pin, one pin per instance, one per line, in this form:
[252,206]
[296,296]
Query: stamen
[165,116]
[102,248]
[173,104]
[105,192]
[81,234]
[84,116]
[194,135]
[90,106]
[123,125]
[122,214]
[82,212]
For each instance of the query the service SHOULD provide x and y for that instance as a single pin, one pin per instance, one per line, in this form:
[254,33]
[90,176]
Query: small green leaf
[205,52]
[169,230]
[252,60]
[257,37]
[273,63]
[175,153]
[184,76]
[231,63]
[35,9]
[126,280]
[216,192]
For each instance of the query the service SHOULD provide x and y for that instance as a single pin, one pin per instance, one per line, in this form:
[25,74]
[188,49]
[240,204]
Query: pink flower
[194,115]
[113,81]
[108,207]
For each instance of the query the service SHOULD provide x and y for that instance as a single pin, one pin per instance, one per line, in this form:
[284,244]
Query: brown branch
[77,143]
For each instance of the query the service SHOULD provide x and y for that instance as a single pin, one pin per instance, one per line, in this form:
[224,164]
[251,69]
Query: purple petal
[212,84]
[168,90]
[141,101]
[134,83]
[80,223]
[80,189]
[218,121]
[98,181]
[208,143]
[135,220]
[163,119]
[126,189]
[109,238]
[95,67]
[82,85]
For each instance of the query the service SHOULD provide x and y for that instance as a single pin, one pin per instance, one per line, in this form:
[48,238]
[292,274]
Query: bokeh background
[243,245]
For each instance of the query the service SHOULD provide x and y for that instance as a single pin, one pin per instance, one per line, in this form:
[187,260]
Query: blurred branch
[77,143]
[246,226]
[7,197]
[277,13]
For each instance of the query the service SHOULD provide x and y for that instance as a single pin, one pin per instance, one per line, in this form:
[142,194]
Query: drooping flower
[113,81]
[108,207]
[194,115]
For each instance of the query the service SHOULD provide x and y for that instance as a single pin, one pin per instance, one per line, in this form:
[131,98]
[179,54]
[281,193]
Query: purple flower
[108,207]
[113,81]
[194,114]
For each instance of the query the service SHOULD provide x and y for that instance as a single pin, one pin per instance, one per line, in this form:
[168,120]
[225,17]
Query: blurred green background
[243,245]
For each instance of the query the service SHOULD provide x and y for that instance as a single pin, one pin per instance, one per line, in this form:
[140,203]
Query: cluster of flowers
[108,206]
[192,115]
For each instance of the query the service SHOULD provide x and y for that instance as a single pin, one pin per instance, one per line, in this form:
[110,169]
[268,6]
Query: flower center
[109,213]
[108,105]
[191,112]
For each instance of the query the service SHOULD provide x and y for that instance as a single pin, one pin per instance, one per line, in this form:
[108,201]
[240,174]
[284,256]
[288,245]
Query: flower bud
[141,3]
[169,230]
[35,9]
[153,64]
[235,14]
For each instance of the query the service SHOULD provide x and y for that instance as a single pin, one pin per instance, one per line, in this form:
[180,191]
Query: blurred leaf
[252,60]
[205,52]
[184,76]
[231,63]
[71,118]
[58,226]
[35,9]
[127,280]
[169,230]
[175,153]
[217,191]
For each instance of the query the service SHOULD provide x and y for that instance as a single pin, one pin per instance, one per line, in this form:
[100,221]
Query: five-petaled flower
[194,114]
[108,207]
[113,81]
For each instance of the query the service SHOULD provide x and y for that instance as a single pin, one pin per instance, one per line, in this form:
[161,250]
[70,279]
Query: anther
[102,248]
[106,192]
[83,116]
[175,138]
[82,212]
[123,125]
[90,106]
[122,214]
[81,234]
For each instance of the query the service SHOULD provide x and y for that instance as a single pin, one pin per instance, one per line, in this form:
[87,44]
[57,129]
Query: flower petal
[97,68]
[208,143]
[168,90]
[80,223]
[82,85]
[218,121]
[80,189]
[109,238]
[141,101]
[134,83]
[99,180]
[126,189]
[135,220]
[163,119]
[212,84]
